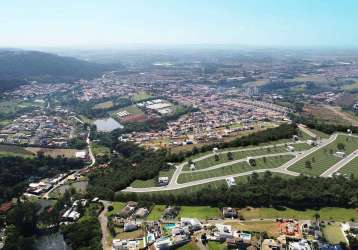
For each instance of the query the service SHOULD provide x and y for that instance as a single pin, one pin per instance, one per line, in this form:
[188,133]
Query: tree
[341,146]
[230,156]
[217,158]
[308,164]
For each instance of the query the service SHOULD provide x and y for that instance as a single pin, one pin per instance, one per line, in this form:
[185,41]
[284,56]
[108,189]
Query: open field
[190,246]
[270,227]
[270,162]
[320,134]
[132,110]
[214,245]
[141,96]
[350,168]
[210,161]
[156,213]
[12,150]
[117,206]
[64,152]
[329,213]
[200,212]
[324,158]
[104,105]
[153,182]
[332,114]
[333,233]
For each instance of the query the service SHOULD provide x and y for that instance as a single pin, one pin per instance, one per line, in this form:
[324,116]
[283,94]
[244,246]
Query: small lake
[107,124]
[51,242]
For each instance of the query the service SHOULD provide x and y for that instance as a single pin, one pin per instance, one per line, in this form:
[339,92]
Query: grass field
[329,213]
[190,246]
[270,227]
[322,159]
[104,105]
[156,213]
[214,245]
[333,234]
[152,182]
[141,96]
[12,150]
[69,153]
[210,161]
[199,212]
[350,168]
[271,162]
[117,206]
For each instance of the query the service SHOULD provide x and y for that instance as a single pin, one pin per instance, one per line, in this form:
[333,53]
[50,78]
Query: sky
[113,23]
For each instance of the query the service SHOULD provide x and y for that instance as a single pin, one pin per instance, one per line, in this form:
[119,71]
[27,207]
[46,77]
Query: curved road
[173,184]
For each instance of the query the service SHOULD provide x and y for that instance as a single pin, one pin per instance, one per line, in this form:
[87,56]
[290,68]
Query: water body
[53,241]
[107,124]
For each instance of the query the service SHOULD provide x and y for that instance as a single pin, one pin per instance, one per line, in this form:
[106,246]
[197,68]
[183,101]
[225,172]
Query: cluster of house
[35,89]
[39,128]
[73,213]
[44,185]
[160,106]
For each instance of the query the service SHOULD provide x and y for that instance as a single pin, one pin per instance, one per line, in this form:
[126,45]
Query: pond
[53,241]
[107,124]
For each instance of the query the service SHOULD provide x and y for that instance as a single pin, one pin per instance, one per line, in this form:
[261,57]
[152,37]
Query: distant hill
[44,67]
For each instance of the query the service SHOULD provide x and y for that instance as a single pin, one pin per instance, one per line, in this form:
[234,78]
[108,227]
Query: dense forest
[17,172]
[265,191]
[44,67]
[131,162]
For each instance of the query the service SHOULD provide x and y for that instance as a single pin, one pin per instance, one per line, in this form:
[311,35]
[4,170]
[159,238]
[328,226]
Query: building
[229,212]
[230,181]
[191,223]
[163,181]
[300,245]
[270,244]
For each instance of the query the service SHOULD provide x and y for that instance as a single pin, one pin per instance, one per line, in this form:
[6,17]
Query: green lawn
[141,96]
[189,246]
[350,168]
[214,245]
[271,162]
[333,234]
[199,212]
[12,150]
[132,110]
[117,206]
[152,182]
[156,213]
[209,162]
[301,146]
[319,133]
[104,105]
[329,213]
[322,159]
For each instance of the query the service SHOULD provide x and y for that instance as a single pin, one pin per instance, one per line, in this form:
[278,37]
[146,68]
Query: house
[163,181]
[223,232]
[130,226]
[340,154]
[141,213]
[270,244]
[300,245]
[230,181]
[191,223]
[290,148]
[125,245]
[192,167]
[171,212]
[229,212]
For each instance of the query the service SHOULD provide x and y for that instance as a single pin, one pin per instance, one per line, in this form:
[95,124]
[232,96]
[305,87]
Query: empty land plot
[270,227]
[117,207]
[301,146]
[64,152]
[262,163]
[328,213]
[333,233]
[156,213]
[325,157]
[210,161]
[153,182]
[350,168]
[104,105]
[141,96]
[12,150]
[200,212]
[132,110]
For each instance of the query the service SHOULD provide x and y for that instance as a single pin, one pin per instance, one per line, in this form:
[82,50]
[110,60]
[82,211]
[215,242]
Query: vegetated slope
[34,65]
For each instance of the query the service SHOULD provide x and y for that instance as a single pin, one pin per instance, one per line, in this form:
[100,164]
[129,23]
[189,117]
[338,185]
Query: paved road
[225,164]
[336,167]
[103,220]
[307,131]
[173,184]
